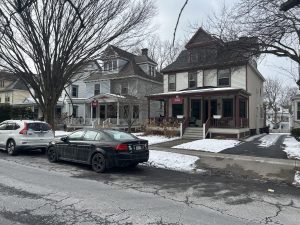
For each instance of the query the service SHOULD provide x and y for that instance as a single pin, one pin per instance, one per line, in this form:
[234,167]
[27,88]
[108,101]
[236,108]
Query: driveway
[269,145]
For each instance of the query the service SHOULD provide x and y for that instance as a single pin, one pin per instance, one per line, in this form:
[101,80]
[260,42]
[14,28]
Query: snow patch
[155,139]
[173,161]
[252,138]
[209,145]
[292,147]
[268,140]
[297,179]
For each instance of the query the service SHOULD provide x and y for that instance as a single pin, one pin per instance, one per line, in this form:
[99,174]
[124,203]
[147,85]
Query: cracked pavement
[34,191]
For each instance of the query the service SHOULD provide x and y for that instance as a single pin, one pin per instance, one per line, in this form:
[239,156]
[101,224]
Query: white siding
[238,77]
[255,88]
[210,77]
[165,83]
[200,78]
[181,81]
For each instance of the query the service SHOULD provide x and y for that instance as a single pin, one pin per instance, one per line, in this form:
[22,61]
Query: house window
[7,98]
[75,111]
[97,89]
[152,70]
[124,88]
[192,79]
[224,77]
[110,65]
[298,110]
[136,111]
[172,82]
[2,83]
[126,111]
[227,107]
[75,91]
[243,113]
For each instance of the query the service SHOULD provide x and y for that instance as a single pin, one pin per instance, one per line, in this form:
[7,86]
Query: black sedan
[100,148]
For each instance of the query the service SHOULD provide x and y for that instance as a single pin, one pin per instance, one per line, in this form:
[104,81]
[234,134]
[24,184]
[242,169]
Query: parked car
[25,135]
[100,148]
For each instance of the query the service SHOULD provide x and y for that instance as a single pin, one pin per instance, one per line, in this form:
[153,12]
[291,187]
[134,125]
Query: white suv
[25,134]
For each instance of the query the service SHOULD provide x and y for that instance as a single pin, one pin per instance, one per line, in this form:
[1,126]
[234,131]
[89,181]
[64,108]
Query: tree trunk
[50,114]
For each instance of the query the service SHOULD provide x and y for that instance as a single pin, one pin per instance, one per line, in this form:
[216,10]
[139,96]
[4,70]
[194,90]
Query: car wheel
[43,150]
[11,147]
[98,163]
[51,154]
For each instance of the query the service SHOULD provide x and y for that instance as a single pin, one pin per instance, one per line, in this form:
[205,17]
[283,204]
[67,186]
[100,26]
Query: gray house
[116,92]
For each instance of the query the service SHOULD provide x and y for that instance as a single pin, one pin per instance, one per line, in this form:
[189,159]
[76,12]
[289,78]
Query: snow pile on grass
[154,139]
[268,140]
[209,145]
[61,133]
[297,179]
[173,161]
[292,147]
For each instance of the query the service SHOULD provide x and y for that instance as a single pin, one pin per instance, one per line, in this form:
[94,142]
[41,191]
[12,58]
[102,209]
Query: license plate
[138,147]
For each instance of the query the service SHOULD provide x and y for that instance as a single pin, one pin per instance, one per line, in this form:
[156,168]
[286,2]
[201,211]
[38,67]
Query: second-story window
[97,89]
[74,91]
[7,98]
[124,88]
[1,83]
[224,77]
[192,79]
[172,82]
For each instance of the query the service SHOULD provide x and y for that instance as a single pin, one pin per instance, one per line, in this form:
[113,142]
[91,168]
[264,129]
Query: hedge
[8,112]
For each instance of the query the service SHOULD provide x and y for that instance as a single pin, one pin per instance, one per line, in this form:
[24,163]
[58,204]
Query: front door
[102,112]
[195,114]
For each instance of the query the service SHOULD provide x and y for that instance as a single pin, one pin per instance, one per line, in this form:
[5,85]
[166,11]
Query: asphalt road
[33,191]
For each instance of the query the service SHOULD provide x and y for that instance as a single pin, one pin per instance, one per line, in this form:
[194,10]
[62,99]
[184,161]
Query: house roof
[129,69]
[17,83]
[201,90]
[204,51]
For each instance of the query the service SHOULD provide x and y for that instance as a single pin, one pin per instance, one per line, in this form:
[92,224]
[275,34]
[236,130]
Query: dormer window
[110,65]
[152,70]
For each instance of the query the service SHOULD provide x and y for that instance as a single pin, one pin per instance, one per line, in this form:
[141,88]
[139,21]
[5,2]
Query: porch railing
[206,127]
[230,122]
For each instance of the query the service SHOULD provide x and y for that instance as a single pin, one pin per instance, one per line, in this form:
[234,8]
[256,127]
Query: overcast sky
[196,12]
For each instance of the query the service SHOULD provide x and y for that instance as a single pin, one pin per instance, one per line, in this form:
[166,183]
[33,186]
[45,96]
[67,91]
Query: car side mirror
[65,139]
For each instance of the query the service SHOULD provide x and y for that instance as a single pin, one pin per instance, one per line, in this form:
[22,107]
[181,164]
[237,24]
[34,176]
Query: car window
[119,135]
[2,126]
[90,135]
[101,137]
[77,135]
[10,126]
[39,126]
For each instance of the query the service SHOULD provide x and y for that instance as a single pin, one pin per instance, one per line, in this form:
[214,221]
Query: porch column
[148,101]
[237,111]
[166,107]
[118,113]
[84,113]
[91,113]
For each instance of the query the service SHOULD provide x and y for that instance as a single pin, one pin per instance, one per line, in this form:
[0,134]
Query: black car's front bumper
[127,158]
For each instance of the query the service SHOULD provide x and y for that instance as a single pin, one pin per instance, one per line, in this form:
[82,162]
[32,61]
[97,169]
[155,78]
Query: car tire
[11,147]
[98,163]
[43,150]
[52,155]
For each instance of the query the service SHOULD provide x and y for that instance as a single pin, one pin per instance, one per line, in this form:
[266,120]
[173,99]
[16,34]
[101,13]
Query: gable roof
[17,83]
[204,51]
[131,68]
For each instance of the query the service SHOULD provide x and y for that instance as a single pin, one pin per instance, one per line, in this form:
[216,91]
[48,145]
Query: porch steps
[193,133]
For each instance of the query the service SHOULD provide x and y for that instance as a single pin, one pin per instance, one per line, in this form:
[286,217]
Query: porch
[106,110]
[209,111]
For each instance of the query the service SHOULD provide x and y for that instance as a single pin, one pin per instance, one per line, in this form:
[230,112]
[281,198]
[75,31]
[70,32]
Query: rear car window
[39,126]
[119,135]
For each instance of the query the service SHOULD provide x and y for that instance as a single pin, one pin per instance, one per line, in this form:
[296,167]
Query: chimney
[145,51]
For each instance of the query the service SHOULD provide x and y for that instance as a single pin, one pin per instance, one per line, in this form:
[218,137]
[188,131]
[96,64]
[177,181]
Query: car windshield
[119,135]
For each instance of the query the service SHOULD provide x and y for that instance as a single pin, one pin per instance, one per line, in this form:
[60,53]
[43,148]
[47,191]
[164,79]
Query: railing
[244,123]
[206,127]
[229,122]
[183,126]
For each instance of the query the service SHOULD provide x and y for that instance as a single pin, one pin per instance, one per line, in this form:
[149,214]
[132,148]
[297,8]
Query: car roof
[23,121]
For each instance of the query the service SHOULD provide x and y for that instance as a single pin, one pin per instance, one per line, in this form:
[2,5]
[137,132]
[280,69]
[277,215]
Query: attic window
[110,65]
[193,57]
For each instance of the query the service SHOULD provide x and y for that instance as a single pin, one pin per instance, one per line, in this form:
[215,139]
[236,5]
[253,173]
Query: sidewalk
[238,165]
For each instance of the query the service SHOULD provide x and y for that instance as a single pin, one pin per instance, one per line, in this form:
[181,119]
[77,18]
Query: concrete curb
[240,165]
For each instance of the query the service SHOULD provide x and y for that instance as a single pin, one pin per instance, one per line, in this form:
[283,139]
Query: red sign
[94,103]
[177,100]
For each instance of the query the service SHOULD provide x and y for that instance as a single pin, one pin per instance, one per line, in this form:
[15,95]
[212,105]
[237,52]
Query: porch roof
[209,91]
[109,97]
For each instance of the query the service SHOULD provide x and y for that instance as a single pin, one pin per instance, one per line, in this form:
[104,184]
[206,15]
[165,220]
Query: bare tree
[276,32]
[277,97]
[162,52]
[47,42]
